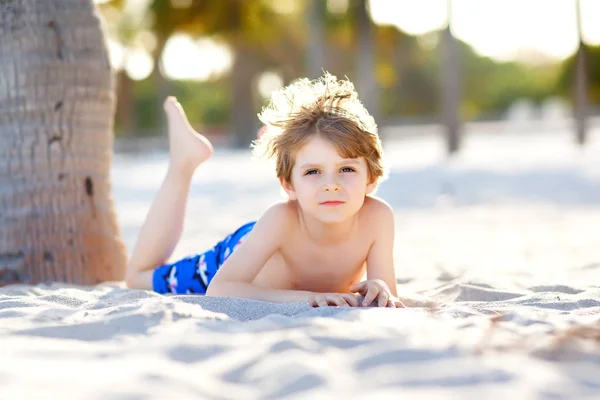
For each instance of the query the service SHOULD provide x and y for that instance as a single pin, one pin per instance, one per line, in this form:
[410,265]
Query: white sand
[505,239]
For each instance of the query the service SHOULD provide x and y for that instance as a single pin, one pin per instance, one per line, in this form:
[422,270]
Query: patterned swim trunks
[192,275]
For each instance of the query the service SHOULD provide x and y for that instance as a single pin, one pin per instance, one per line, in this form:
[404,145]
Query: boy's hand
[333,299]
[376,289]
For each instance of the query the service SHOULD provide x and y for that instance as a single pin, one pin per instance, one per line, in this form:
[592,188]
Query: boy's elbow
[223,287]
[215,287]
[212,290]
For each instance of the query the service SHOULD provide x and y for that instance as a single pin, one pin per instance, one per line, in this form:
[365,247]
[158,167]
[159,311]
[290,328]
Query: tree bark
[125,116]
[162,86]
[580,109]
[367,86]
[450,87]
[243,75]
[316,38]
[57,219]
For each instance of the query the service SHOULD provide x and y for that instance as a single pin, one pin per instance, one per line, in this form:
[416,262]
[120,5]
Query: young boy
[316,246]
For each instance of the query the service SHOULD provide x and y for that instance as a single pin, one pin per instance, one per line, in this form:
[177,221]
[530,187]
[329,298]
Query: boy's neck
[327,234]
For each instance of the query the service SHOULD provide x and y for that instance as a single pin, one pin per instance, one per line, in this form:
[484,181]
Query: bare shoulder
[378,218]
[279,217]
[375,209]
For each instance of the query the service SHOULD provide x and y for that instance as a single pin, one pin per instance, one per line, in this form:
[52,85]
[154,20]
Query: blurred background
[489,111]
[439,67]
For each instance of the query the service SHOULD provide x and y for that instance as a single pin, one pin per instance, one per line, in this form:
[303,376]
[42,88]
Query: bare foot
[187,148]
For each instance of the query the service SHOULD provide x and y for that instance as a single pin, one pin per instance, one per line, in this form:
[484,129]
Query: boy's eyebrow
[345,162]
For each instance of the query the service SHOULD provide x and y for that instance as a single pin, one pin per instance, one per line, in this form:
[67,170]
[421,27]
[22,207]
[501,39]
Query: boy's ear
[371,187]
[289,189]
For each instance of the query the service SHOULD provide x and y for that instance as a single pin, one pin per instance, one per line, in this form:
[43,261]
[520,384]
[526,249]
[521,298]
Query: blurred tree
[126,27]
[299,38]
[346,34]
[257,34]
[490,86]
[56,114]
[567,75]
[408,75]
[315,54]
[368,87]
[301,41]
[568,88]
[580,82]
[451,87]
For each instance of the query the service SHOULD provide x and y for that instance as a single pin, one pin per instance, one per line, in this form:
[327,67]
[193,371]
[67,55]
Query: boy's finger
[369,297]
[338,301]
[351,300]
[399,304]
[383,299]
[357,287]
[391,304]
[322,303]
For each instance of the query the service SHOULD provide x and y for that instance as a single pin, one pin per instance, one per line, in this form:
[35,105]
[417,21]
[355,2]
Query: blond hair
[327,107]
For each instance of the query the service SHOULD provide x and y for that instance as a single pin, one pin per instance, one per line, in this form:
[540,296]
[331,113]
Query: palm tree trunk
[580,83]
[451,87]
[162,86]
[316,38]
[365,58]
[57,219]
[124,116]
[243,75]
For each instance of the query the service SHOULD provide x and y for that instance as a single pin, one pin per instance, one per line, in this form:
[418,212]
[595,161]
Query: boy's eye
[311,172]
[347,169]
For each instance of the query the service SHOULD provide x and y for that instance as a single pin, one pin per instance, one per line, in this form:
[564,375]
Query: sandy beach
[497,256]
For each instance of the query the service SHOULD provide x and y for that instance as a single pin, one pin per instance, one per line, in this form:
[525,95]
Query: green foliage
[206,103]
[407,71]
[491,86]
[567,75]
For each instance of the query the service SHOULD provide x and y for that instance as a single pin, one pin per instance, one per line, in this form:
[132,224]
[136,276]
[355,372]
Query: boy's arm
[234,278]
[380,261]
[254,292]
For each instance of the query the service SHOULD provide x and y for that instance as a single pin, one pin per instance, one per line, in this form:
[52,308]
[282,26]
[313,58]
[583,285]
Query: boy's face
[327,186]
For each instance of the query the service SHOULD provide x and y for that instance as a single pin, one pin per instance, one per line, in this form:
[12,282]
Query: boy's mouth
[332,203]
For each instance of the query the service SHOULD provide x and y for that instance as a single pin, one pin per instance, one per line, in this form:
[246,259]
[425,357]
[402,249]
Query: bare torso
[302,264]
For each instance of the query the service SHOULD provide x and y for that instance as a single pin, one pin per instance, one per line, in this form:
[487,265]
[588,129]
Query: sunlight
[337,6]
[116,54]
[501,29]
[138,64]
[184,58]
[268,82]
[590,12]
[284,6]
[181,3]
[500,32]
[412,17]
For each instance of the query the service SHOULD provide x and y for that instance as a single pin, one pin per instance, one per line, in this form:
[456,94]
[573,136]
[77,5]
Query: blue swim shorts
[192,275]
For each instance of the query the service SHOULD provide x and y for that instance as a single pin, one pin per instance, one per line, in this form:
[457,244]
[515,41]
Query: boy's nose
[331,187]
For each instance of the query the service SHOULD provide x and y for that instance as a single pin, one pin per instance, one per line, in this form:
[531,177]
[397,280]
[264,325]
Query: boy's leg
[164,223]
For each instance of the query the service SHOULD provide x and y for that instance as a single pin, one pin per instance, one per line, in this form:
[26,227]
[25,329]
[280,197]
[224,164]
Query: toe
[170,102]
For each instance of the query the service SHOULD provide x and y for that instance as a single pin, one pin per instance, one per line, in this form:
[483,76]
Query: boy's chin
[331,218]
